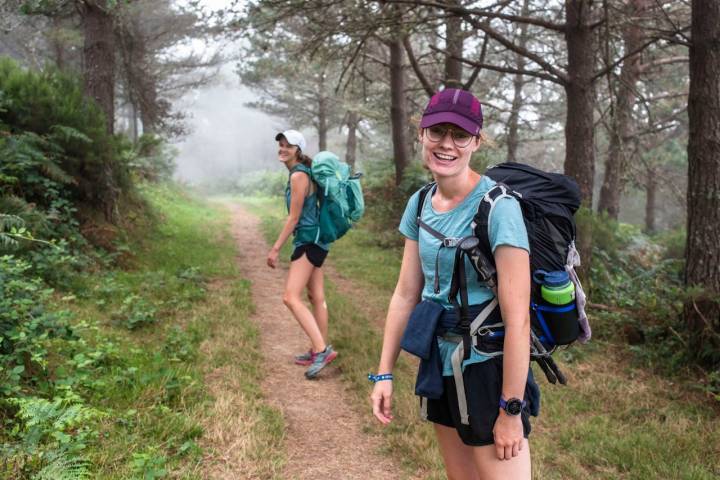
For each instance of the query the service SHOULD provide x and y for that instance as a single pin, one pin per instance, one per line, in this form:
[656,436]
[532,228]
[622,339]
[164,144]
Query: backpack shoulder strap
[301,168]
[421,199]
[481,221]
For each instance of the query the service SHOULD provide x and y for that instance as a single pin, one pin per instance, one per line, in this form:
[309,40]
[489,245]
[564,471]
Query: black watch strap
[512,406]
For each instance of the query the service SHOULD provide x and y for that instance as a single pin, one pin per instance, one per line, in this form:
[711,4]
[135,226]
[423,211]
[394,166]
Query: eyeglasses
[460,138]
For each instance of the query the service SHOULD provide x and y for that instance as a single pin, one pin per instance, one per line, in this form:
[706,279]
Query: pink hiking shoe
[305,359]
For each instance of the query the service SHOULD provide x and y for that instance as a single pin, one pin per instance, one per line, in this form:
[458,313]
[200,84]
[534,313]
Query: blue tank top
[308,225]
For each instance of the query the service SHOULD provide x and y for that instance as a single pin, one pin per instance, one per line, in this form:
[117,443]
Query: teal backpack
[341,198]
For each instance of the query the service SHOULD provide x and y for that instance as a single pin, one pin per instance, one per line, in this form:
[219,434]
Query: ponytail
[304,159]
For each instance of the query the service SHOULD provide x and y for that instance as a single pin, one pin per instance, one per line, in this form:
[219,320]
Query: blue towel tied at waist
[428,321]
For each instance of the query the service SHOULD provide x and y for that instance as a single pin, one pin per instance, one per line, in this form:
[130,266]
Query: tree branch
[462,11]
[663,61]
[617,62]
[497,68]
[351,62]
[418,71]
[676,29]
[561,77]
[476,72]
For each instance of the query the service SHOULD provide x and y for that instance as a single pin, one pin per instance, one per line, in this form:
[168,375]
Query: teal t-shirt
[505,227]
[310,215]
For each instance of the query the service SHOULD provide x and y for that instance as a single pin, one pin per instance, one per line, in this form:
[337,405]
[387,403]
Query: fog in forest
[225,137]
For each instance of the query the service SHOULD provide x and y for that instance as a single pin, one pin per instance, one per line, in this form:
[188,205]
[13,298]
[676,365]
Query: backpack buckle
[449,242]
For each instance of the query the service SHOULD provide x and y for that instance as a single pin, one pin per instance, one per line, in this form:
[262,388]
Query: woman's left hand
[272,258]
[508,432]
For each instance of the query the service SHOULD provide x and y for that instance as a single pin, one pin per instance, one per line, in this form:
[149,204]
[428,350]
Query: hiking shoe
[322,359]
[305,358]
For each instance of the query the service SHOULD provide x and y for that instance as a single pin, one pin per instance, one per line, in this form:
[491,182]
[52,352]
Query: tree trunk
[351,147]
[650,196]
[133,122]
[99,60]
[622,121]
[322,126]
[579,127]
[140,77]
[57,45]
[702,256]
[398,108]
[322,123]
[454,43]
[99,84]
[512,126]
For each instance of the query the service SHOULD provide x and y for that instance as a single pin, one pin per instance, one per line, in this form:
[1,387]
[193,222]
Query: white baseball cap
[293,137]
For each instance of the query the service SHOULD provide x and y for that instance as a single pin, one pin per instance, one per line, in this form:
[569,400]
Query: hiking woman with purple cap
[479,403]
[308,255]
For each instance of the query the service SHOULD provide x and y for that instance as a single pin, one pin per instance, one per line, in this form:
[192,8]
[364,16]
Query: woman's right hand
[272,257]
[381,398]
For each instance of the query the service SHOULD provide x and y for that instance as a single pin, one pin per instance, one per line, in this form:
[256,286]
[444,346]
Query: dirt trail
[324,436]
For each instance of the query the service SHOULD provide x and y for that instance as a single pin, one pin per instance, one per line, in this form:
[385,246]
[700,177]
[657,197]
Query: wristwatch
[513,406]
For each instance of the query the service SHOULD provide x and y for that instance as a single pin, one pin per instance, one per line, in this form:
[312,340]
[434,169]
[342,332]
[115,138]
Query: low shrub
[262,183]
[385,202]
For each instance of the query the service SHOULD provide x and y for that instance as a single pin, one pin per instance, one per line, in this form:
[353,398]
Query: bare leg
[491,468]
[457,456]
[316,294]
[298,278]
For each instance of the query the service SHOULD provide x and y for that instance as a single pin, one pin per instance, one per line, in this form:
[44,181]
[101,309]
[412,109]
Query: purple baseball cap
[455,106]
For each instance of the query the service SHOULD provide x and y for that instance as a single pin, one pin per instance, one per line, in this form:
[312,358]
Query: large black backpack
[548,202]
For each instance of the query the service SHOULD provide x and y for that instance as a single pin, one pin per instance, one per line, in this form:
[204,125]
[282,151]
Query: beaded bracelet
[380,377]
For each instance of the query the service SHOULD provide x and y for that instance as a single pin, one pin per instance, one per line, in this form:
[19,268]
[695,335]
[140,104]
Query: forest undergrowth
[621,403]
[112,381]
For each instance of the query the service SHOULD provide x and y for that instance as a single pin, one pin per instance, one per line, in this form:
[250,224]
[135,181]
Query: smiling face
[286,152]
[441,153]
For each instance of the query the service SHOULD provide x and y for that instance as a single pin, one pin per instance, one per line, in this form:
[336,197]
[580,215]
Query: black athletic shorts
[315,254]
[483,387]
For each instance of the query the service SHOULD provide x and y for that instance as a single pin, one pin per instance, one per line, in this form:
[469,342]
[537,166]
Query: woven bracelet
[379,378]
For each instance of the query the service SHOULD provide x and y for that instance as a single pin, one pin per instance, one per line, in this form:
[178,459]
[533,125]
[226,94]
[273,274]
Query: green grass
[614,419]
[154,333]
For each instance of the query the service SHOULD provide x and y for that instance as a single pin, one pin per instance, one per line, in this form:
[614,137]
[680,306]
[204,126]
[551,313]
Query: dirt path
[324,437]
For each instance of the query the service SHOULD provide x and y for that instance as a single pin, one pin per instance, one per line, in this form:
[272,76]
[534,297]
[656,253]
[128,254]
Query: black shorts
[315,254]
[483,387]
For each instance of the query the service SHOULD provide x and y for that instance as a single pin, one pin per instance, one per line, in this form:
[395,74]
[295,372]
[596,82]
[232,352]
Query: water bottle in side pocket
[556,312]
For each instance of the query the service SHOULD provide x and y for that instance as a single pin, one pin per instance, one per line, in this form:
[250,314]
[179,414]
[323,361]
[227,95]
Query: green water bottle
[557,312]
[556,288]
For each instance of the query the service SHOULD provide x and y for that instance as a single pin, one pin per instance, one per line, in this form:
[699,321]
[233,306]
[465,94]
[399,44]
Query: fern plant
[53,434]
[11,229]
[61,466]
